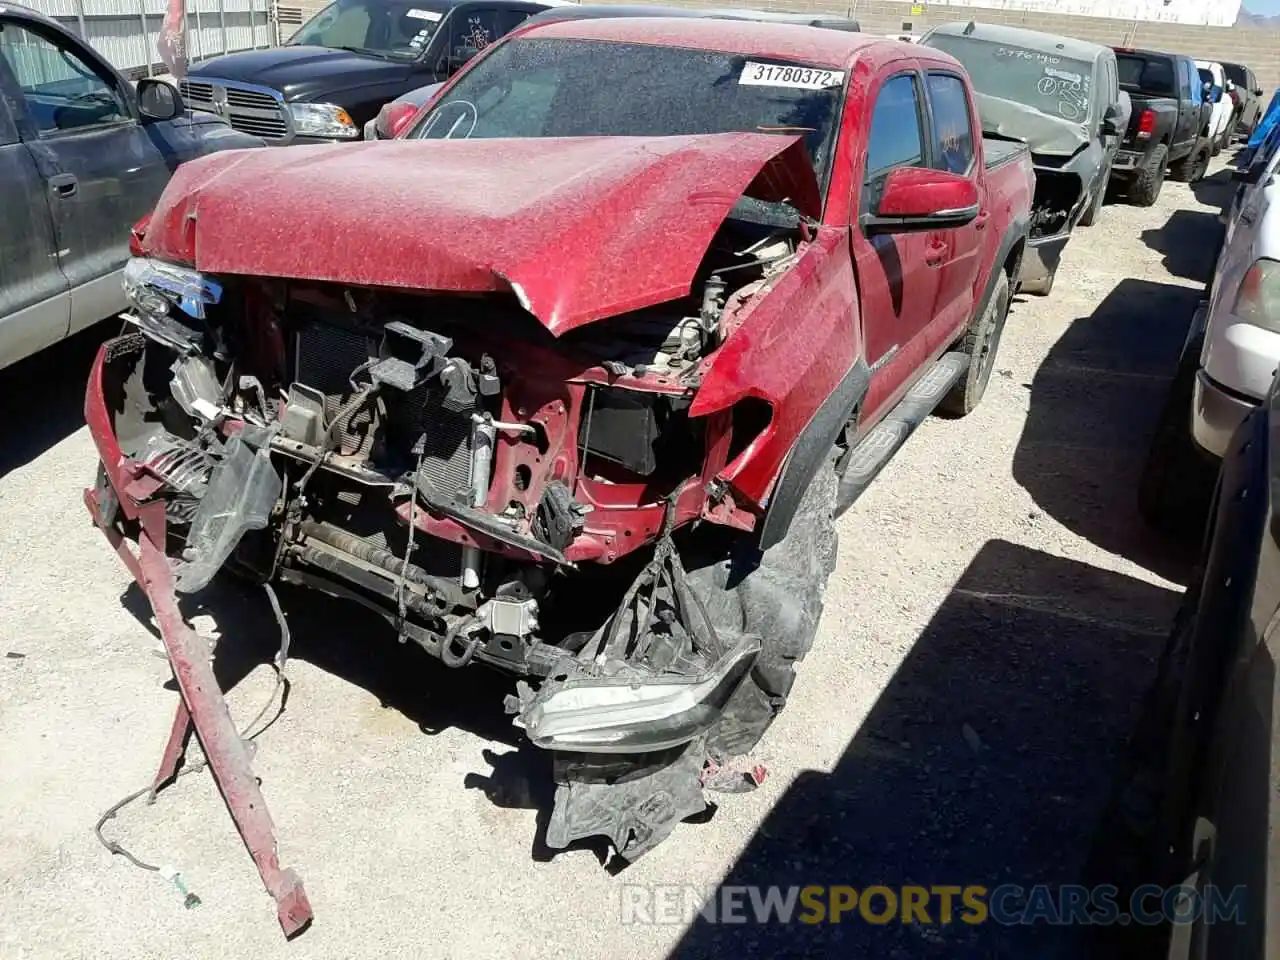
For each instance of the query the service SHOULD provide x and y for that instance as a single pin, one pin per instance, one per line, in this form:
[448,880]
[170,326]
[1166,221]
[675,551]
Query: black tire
[1090,216]
[1191,167]
[777,596]
[1177,479]
[1144,188]
[980,343]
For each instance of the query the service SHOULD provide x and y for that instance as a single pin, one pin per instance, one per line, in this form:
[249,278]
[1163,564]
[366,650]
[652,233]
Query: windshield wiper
[363,50]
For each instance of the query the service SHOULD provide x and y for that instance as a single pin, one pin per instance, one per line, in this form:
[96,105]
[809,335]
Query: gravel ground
[994,617]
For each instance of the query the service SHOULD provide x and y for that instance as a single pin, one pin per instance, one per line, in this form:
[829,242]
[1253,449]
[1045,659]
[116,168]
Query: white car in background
[1230,356]
[1219,128]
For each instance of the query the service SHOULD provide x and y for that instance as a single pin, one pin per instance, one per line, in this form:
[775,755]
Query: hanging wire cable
[281,684]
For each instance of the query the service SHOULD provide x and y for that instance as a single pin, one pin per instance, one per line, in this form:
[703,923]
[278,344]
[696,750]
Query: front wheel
[778,596]
[1192,167]
[1095,207]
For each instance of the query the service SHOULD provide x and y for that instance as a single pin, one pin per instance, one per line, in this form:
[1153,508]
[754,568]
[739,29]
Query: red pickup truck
[572,379]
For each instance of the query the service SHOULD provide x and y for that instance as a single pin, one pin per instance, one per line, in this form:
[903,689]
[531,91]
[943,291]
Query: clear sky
[1268,7]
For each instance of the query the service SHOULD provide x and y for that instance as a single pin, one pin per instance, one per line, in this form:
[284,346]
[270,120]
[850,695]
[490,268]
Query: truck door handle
[64,185]
[935,253]
[981,220]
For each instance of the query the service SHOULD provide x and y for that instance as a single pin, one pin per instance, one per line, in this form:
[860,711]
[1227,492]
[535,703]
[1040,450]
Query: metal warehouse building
[1213,13]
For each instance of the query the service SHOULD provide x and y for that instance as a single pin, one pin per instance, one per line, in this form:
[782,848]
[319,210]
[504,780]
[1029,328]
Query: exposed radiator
[326,357]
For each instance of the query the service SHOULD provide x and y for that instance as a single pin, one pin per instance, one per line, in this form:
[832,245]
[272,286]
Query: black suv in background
[1169,111]
[342,65]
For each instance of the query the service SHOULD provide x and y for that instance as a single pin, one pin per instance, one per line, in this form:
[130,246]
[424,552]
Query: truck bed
[1000,151]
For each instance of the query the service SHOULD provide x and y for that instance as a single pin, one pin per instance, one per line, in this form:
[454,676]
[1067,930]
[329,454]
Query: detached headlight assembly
[1258,299]
[638,716]
[323,120]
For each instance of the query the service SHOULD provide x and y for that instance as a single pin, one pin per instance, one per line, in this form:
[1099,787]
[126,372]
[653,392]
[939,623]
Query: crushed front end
[499,495]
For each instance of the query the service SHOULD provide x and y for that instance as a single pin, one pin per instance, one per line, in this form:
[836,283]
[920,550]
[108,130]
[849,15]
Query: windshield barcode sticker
[425,15]
[799,78]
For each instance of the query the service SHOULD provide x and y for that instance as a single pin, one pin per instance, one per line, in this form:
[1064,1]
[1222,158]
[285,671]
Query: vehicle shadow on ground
[1094,404]
[45,397]
[1215,191]
[349,642]
[985,761]
[1188,243]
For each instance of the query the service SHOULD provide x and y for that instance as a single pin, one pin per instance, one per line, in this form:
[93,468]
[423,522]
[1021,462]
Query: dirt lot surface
[993,620]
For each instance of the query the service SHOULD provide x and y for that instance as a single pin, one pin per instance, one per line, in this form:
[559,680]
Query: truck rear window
[584,88]
[1147,74]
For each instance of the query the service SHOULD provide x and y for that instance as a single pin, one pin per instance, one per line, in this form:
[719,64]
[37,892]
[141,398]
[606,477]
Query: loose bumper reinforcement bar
[202,706]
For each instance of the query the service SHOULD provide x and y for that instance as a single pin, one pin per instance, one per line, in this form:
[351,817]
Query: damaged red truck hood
[578,228]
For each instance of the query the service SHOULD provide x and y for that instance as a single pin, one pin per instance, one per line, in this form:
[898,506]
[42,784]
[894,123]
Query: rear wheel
[1144,188]
[980,344]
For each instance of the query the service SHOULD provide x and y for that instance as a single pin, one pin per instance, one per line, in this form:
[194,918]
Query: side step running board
[865,461]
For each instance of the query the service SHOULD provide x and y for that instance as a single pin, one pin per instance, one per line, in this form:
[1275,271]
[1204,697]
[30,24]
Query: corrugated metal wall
[124,31]
[1214,13]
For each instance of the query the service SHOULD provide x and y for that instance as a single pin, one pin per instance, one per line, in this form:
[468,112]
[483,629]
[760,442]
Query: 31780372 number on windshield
[783,75]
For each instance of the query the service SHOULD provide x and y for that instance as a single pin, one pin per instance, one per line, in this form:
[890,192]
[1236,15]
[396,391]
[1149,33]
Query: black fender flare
[1017,231]
[811,448]
[819,435]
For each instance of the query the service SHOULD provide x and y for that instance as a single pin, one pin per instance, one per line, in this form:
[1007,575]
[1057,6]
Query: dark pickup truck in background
[1247,94]
[335,74]
[1169,112]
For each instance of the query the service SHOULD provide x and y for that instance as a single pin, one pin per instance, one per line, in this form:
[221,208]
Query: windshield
[585,88]
[1052,84]
[396,30]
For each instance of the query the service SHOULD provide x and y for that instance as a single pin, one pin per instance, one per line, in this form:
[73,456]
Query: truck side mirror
[916,199]
[157,101]
[399,117]
[1111,121]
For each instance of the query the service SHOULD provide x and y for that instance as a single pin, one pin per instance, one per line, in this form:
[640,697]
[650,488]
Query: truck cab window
[470,31]
[897,135]
[952,124]
[60,90]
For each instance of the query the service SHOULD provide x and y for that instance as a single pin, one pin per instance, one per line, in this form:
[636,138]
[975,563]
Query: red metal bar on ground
[202,706]
[226,753]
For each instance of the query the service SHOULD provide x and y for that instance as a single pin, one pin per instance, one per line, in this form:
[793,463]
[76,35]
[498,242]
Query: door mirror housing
[915,199]
[158,100]
[1257,91]
[399,118]
[1111,120]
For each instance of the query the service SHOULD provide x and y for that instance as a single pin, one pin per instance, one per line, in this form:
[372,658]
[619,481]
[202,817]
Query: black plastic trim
[810,450]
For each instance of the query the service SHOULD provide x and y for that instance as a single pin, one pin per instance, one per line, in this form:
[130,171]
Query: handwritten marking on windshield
[1070,89]
[1026,55]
